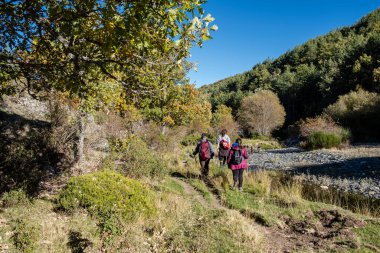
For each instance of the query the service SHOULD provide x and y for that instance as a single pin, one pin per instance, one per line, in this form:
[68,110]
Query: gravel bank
[356,169]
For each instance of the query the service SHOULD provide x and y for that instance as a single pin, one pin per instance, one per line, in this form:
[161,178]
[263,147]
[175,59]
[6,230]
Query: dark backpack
[204,151]
[237,157]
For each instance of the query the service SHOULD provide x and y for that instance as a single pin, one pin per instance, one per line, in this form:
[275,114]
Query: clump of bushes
[25,155]
[134,158]
[318,140]
[191,139]
[322,132]
[25,236]
[360,112]
[14,198]
[107,195]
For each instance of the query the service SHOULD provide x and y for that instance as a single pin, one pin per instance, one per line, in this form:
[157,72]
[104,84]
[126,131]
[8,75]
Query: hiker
[206,153]
[237,162]
[223,143]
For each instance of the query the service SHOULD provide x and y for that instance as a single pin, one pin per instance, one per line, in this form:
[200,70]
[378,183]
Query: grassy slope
[183,223]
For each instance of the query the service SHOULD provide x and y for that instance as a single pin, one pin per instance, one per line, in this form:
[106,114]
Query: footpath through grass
[280,206]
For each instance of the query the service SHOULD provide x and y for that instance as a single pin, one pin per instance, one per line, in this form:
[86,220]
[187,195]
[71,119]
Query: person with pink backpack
[237,162]
[206,153]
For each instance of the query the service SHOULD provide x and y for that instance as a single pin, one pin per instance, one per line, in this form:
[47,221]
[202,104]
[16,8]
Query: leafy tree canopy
[76,46]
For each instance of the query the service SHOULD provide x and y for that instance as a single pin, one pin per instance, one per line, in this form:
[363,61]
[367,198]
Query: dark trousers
[223,160]
[238,176]
[205,167]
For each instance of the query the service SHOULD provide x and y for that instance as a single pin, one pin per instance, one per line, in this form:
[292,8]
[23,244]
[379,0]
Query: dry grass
[54,228]
[182,224]
[361,151]
[258,182]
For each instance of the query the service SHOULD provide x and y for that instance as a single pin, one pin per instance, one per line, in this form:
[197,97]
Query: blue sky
[251,31]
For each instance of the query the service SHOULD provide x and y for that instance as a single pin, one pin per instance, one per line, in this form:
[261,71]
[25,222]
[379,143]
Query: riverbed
[355,169]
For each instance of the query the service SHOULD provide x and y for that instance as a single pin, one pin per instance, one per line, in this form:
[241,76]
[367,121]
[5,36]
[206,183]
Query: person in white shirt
[224,144]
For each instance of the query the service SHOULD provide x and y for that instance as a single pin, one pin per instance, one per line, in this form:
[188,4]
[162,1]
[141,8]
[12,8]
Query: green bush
[346,135]
[190,140]
[107,195]
[14,198]
[136,160]
[269,145]
[360,112]
[319,140]
[262,137]
[25,236]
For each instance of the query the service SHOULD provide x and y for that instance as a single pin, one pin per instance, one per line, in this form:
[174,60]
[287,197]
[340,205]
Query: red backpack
[224,144]
[204,151]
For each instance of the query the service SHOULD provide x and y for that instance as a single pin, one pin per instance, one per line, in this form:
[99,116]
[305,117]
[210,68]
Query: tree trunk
[81,130]
[163,124]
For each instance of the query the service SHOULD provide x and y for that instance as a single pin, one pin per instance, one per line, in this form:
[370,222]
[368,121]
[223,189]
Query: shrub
[25,154]
[14,198]
[319,140]
[191,139]
[317,124]
[322,132]
[135,159]
[261,113]
[106,195]
[360,112]
[25,236]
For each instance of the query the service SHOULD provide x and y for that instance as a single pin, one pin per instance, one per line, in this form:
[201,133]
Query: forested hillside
[313,75]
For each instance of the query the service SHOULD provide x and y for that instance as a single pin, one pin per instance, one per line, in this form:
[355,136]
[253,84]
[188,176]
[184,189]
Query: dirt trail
[193,193]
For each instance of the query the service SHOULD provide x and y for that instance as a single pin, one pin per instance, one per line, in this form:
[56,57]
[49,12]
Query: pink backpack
[204,151]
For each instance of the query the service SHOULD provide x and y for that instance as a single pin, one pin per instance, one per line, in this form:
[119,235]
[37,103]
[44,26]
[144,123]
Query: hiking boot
[240,189]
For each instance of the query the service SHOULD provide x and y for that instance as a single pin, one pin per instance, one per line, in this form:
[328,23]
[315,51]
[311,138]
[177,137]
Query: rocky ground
[355,169]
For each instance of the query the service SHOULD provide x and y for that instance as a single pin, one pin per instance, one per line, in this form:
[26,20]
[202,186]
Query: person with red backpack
[237,162]
[206,153]
[223,143]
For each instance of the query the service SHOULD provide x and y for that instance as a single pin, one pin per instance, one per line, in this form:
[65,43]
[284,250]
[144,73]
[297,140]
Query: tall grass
[269,195]
[354,202]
